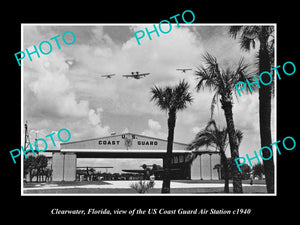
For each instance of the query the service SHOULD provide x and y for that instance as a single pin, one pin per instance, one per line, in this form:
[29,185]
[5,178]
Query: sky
[64,89]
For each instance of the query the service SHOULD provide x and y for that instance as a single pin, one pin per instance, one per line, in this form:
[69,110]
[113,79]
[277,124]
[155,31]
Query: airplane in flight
[108,75]
[183,70]
[137,75]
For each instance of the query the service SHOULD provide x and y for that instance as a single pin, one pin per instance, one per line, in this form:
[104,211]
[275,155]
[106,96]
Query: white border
[143,24]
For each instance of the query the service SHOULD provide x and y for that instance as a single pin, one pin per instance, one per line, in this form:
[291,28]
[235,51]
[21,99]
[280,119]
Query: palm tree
[171,100]
[222,82]
[211,135]
[265,36]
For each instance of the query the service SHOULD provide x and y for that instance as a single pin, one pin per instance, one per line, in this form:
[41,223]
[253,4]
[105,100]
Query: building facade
[129,145]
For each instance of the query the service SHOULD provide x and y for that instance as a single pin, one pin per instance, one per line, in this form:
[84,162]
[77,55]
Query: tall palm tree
[212,136]
[222,82]
[265,36]
[171,100]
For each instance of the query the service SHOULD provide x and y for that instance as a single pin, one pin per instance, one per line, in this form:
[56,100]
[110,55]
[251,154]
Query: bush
[142,186]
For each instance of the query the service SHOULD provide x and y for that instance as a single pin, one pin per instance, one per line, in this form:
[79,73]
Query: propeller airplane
[183,70]
[157,170]
[137,75]
[108,75]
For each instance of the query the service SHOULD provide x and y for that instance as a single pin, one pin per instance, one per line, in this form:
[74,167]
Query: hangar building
[129,145]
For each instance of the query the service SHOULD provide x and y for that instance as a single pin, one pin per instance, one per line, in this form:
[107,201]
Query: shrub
[142,186]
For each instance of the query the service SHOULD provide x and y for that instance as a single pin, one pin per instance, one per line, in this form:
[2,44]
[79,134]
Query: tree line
[36,166]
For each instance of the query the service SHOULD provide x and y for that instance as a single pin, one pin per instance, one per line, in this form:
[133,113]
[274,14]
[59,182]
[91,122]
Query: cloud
[216,41]
[196,130]
[154,125]
[51,96]
[94,117]
[160,57]
[58,93]
[95,120]
[52,89]
[154,130]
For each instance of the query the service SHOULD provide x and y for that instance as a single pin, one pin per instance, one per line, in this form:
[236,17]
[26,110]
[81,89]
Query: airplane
[137,75]
[108,75]
[90,171]
[183,70]
[157,170]
[88,168]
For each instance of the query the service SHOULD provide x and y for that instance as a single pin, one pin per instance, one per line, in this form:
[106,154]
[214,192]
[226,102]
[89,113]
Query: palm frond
[211,125]
[203,138]
[246,43]
[209,59]
[248,35]
[212,64]
[241,73]
[181,95]
[205,78]
[172,98]
[251,32]
[234,30]
[161,97]
[214,102]
[271,30]
[209,75]
[239,135]
[206,137]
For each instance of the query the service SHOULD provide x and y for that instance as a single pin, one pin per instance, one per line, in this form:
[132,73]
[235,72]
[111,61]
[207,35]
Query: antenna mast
[27,139]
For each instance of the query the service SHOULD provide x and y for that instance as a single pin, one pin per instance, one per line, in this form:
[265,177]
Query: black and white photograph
[127,111]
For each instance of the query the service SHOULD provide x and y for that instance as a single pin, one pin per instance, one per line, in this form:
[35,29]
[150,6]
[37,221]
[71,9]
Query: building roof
[122,146]
[126,134]
[121,141]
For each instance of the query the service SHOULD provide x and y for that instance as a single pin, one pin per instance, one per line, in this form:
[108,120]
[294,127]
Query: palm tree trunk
[265,96]
[37,175]
[226,172]
[236,174]
[30,175]
[167,159]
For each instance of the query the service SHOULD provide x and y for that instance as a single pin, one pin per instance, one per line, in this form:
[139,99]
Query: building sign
[108,142]
[147,142]
[127,141]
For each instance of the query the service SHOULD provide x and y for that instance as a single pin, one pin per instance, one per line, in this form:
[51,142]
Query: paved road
[126,184]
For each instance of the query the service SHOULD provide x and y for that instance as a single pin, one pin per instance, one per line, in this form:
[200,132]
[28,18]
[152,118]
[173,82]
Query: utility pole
[35,143]
[27,138]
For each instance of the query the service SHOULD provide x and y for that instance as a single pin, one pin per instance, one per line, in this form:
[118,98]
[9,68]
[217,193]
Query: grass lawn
[65,183]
